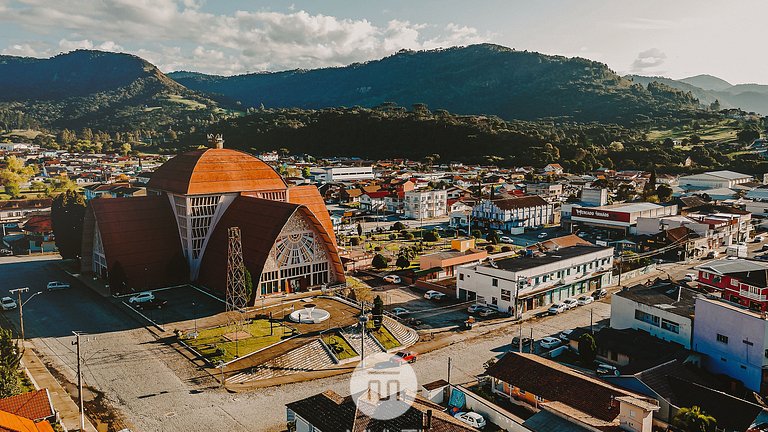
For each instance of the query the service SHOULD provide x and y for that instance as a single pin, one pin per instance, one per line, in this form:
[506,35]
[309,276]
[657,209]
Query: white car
[550,342]
[582,234]
[8,303]
[570,303]
[565,335]
[141,297]
[395,279]
[56,285]
[486,312]
[505,239]
[606,369]
[433,295]
[557,308]
[471,418]
[543,235]
[400,311]
[690,277]
[584,300]
[475,308]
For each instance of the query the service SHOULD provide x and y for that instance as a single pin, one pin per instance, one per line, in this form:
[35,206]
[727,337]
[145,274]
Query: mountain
[477,79]
[705,97]
[707,82]
[96,89]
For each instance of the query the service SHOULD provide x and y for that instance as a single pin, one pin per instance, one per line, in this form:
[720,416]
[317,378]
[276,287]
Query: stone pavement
[42,378]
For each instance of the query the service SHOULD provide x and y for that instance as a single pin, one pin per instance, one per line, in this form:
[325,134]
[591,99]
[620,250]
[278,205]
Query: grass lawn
[724,130]
[339,345]
[214,347]
[384,337]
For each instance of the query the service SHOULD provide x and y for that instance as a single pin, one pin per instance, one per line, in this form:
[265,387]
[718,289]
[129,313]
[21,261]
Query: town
[512,293]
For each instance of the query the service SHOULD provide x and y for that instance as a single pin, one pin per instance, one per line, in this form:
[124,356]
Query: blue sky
[675,38]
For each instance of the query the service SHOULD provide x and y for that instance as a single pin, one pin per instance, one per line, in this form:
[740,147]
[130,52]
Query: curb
[158,326]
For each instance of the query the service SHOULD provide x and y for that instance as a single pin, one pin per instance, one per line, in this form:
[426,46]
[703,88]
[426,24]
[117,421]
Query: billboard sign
[596,213]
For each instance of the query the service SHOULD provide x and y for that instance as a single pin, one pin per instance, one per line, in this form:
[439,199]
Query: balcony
[752,296]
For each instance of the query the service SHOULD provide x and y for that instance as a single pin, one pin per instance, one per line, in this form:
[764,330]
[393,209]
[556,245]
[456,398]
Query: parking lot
[184,303]
[432,313]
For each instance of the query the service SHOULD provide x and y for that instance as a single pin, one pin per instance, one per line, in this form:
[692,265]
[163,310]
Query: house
[374,201]
[664,309]
[522,284]
[553,169]
[15,210]
[330,412]
[570,400]
[444,264]
[733,340]
[740,281]
[549,191]
[459,214]
[425,204]
[513,215]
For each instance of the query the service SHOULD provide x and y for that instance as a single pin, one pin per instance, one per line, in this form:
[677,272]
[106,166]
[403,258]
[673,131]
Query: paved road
[156,389]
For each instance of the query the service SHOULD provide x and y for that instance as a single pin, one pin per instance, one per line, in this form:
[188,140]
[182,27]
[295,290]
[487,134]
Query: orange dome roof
[210,171]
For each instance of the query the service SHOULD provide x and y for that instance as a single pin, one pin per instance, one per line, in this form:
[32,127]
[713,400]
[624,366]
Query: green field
[212,345]
[724,130]
[341,348]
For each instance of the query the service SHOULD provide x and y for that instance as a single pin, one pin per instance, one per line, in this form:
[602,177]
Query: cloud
[648,60]
[180,34]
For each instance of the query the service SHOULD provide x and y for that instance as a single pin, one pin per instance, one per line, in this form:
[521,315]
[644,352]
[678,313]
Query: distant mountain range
[708,88]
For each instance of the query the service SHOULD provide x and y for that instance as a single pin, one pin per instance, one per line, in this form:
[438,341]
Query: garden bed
[216,344]
[340,347]
[384,337]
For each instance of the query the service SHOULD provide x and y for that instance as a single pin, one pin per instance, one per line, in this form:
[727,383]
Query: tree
[359,229]
[125,149]
[431,236]
[715,106]
[664,192]
[67,214]
[377,312]
[398,226]
[402,261]
[693,420]
[477,234]
[379,262]
[587,349]
[14,174]
[650,185]
[248,283]
[747,135]
[305,172]
[10,357]
[492,237]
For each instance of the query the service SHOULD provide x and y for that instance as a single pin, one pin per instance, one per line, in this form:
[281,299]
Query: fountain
[310,314]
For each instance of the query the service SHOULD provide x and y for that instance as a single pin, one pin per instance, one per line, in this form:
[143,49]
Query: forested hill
[478,79]
[95,89]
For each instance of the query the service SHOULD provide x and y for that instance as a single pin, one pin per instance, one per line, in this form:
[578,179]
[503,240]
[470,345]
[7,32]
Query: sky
[673,38]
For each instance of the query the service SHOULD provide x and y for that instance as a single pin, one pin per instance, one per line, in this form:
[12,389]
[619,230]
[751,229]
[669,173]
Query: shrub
[379,261]
[393,236]
[490,248]
[354,241]
[431,236]
[506,249]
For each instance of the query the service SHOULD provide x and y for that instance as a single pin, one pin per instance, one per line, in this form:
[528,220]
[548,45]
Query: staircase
[404,334]
[309,357]
[353,337]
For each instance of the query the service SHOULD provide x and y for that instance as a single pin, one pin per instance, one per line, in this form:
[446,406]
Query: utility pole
[591,331]
[520,340]
[79,381]
[531,340]
[449,373]
[18,291]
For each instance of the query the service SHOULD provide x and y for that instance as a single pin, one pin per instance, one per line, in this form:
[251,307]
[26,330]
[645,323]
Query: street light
[21,304]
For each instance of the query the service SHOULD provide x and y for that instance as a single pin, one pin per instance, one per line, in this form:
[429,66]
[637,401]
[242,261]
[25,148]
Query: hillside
[705,97]
[707,82]
[478,79]
[100,90]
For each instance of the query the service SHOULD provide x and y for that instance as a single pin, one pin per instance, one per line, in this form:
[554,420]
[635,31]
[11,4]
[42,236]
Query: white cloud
[648,61]
[178,34]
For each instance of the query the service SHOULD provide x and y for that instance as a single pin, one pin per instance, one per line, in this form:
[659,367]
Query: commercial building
[618,217]
[342,173]
[733,341]
[442,265]
[425,204]
[740,281]
[663,309]
[549,191]
[538,280]
[718,225]
[713,180]
[179,231]
[513,215]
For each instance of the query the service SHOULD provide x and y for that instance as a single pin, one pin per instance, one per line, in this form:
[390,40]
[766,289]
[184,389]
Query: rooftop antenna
[237,294]
[216,140]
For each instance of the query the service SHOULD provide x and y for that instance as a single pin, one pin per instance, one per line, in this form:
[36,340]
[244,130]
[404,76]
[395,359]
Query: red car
[404,357]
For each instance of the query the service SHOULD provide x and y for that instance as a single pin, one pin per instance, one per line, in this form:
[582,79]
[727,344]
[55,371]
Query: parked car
[713,254]
[570,303]
[584,300]
[550,342]
[471,418]
[404,357]
[764,248]
[400,311]
[8,303]
[155,303]
[582,234]
[516,341]
[599,293]
[141,297]
[690,277]
[56,285]
[434,295]
[475,308]
[6,252]
[565,335]
[486,312]
[606,369]
[394,279]
[505,239]
[557,308]
[759,238]
[542,235]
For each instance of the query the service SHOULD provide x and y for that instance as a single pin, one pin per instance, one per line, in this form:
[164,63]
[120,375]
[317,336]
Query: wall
[492,412]
[623,316]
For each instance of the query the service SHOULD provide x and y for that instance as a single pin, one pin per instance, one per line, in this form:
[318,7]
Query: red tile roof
[34,405]
[215,171]
[39,223]
[522,202]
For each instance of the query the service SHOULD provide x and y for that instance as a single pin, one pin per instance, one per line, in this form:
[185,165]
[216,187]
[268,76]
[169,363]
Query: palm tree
[693,420]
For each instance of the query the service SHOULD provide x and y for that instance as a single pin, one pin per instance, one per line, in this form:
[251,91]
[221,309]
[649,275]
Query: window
[670,326]
[461,276]
[646,317]
[494,282]
[716,279]
[506,295]
[722,338]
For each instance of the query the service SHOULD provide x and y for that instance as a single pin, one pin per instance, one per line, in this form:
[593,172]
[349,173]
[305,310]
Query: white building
[537,280]
[343,174]
[664,310]
[513,215]
[620,217]
[734,341]
[548,191]
[713,180]
[425,204]
[459,214]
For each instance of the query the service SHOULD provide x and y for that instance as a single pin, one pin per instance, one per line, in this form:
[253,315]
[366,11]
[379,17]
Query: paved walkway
[67,408]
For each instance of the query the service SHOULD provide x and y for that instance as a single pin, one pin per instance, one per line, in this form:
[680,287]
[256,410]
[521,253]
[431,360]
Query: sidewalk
[62,402]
